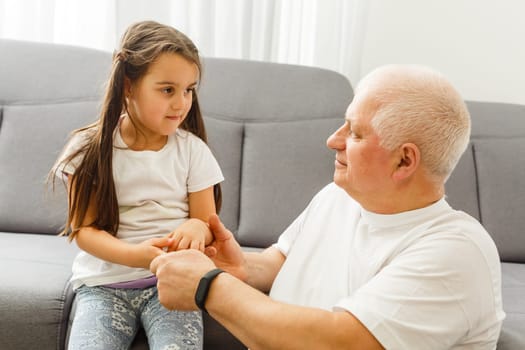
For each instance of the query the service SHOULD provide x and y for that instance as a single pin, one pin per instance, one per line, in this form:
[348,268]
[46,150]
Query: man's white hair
[418,105]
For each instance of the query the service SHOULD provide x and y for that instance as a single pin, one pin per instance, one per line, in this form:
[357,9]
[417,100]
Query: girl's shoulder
[78,139]
[72,152]
[83,135]
[181,133]
[187,137]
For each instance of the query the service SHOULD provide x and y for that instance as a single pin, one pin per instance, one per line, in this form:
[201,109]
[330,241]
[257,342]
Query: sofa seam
[64,319]
[241,171]
[476,177]
[223,117]
[16,103]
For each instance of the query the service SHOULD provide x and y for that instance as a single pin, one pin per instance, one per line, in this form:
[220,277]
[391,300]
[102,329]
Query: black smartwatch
[204,287]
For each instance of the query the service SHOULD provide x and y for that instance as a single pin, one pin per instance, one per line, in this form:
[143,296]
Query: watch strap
[204,287]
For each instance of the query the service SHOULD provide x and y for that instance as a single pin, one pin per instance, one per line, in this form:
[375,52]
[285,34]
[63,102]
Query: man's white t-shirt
[152,190]
[424,279]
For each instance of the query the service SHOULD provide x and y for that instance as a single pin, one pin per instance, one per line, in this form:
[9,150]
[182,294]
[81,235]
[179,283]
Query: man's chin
[343,184]
[339,181]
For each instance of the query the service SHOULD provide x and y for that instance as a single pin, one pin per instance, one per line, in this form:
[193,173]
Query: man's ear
[408,161]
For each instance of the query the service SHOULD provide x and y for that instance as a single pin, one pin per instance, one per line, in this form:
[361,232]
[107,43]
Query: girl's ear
[408,161]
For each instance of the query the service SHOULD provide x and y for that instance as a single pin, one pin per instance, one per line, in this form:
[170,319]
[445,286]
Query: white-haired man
[378,259]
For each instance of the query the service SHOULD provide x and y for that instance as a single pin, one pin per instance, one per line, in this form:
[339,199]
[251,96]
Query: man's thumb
[220,233]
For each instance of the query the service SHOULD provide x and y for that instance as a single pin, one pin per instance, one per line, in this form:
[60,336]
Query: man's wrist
[201,294]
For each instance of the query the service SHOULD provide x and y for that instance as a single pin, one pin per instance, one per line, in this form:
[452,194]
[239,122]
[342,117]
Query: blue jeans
[109,318]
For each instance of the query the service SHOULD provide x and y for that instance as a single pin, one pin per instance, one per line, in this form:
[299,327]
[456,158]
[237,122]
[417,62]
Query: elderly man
[378,259]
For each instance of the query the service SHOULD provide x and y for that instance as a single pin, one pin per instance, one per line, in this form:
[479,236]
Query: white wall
[478,44]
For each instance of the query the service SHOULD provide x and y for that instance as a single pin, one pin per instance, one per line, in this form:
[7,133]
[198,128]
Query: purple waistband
[137,284]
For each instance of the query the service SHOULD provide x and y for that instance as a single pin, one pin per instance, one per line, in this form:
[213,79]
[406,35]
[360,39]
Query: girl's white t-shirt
[424,279]
[152,191]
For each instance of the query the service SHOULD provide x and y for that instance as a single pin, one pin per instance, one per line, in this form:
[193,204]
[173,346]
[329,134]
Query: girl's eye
[188,91]
[167,90]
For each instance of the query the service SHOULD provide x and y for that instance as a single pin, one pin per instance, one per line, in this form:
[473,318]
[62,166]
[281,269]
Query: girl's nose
[178,102]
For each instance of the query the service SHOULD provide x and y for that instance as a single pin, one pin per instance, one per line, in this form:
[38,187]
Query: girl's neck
[138,138]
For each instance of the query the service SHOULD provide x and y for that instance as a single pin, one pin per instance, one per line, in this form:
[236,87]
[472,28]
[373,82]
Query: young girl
[141,180]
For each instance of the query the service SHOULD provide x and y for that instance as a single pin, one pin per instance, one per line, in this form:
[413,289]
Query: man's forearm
[262,268]
[259,322]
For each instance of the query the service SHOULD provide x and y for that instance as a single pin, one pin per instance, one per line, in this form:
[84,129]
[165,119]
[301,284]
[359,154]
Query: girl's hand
[143,253]
[192,234]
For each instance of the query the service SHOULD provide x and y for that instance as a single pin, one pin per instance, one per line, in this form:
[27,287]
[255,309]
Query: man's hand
[224,250]
[178,275]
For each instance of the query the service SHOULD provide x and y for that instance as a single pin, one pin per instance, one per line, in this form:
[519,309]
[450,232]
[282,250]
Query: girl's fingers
[183,244]
[195,245]
[161,242]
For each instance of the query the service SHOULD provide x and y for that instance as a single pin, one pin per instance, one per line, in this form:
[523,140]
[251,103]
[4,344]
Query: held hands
[144,252]
[179,272]
[178,275]
[190,235]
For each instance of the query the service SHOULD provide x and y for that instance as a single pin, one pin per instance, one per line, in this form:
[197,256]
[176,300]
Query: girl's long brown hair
[141,44]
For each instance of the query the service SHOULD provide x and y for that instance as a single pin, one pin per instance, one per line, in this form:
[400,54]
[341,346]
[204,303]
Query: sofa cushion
[225,141]
[26,203]
[501,177]
[461,189]
[281,174]
[34,297]
[513,332]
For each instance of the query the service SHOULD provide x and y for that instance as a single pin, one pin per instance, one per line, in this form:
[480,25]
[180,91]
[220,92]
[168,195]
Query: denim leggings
[109,318]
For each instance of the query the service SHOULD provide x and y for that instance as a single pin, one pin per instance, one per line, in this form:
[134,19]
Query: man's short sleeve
[426,298]
[286,239]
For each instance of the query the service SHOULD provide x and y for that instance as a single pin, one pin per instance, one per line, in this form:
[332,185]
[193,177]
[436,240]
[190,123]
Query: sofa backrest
[489,181]
[267,125]
[46,91]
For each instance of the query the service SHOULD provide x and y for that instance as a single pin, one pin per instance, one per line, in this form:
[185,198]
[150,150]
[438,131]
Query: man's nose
[336,141]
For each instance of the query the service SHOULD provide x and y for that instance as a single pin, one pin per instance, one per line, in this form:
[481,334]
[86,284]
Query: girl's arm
[195,233]
[107,247]
[104,246]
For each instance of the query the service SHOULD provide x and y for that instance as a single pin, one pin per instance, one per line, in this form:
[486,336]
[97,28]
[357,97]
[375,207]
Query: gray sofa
[267,125]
